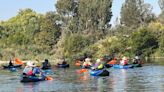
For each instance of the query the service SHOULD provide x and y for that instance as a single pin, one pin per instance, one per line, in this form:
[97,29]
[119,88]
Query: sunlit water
[149,78]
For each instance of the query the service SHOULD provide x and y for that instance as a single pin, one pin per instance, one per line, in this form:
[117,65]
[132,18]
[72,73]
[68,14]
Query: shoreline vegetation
[79,27]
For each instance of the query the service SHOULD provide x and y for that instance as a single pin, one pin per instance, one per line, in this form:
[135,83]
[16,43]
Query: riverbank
[53,62]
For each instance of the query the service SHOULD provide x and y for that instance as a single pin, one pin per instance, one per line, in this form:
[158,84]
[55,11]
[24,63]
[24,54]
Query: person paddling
[124,61]
[98,65]
[87,63]
[10,63]
[46,64]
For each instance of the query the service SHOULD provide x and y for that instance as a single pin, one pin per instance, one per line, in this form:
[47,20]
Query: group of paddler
[108,62]
[34,71]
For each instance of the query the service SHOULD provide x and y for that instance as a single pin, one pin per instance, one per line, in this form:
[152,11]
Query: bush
[143,40]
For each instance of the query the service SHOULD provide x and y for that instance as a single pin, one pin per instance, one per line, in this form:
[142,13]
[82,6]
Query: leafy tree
[94,14]
[161,4]
[135,13]
[49,32]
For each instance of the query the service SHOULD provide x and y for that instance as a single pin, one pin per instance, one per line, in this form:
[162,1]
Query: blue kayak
[25,78]
[62,65]
[102,72]
[122,67]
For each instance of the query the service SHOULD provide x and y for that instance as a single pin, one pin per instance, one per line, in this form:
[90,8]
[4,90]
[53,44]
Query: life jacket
[124,62]
[29,72]
[100,66]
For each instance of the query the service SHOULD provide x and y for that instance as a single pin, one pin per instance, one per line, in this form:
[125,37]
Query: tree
[50,31]
[161,4]
[135,13]
[161,16]
[94,14]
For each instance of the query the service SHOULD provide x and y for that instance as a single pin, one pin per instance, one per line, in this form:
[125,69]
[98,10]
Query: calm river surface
[149,78]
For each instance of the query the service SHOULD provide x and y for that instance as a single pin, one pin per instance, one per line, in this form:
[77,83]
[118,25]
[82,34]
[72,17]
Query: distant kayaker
[46,64]
[11,63]
[124,61]
[99,64]
[137,60]
[87,63]
[63,62]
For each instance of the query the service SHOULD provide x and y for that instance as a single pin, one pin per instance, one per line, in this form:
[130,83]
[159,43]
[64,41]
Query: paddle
[82,70]
[49,78]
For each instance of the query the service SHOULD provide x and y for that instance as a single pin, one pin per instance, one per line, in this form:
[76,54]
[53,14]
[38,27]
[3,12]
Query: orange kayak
[112,62]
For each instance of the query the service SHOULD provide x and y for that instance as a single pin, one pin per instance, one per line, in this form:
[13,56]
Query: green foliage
[143,40]
[161,44]
[75,43]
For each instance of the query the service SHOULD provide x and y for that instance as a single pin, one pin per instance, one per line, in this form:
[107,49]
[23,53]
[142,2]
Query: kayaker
[77,62]
[98,65]
[87,63]
[112,62]
[46,64]
[32,70]
[63,62]
[10,63]
[137,60]
[37,72]
[28,70]
[124,61]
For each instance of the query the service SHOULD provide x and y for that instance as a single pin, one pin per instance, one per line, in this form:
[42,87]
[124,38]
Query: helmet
[87,59]
[98,61]
[31,64]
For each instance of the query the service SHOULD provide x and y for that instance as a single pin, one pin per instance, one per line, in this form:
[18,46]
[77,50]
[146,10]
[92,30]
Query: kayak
[108,65]
[102,72]
[25,78]
[15,66]
[137,65]
[62,66]
[86,67]
[122,67]
[45,68]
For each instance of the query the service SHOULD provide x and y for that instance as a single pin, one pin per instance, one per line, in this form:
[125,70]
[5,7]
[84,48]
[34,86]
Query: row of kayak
[14,67]
[126,66]
[104,72]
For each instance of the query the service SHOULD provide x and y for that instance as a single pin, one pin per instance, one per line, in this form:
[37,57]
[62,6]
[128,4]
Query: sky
[10,8]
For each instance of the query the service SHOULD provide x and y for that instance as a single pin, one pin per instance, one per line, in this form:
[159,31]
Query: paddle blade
[49,78]
[82,70]
[18,61]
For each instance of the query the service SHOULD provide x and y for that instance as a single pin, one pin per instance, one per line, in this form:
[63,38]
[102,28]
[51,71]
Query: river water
[149,78]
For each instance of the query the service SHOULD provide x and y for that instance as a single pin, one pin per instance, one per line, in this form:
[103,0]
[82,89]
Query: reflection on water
[145,79]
